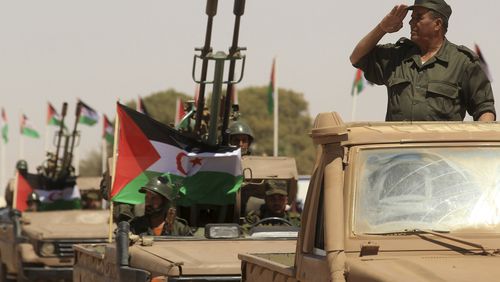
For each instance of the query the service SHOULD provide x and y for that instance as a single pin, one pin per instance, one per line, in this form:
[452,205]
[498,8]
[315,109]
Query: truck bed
[276,267]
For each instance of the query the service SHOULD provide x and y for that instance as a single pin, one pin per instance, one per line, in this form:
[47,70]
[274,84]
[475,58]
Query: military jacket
[141,226]
[253,217]
[443,88]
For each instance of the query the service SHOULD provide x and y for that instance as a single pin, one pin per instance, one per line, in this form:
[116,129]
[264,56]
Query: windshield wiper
[441,234]
[407,232]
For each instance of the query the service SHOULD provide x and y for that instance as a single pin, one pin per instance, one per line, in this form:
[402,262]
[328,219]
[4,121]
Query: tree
[161,105]
[92,164]
[294,125]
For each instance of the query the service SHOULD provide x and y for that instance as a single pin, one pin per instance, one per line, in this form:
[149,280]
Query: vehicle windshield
[446,189]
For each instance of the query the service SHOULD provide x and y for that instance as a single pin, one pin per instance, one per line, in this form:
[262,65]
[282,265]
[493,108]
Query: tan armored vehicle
[39,245]
[395,202]
[212,253]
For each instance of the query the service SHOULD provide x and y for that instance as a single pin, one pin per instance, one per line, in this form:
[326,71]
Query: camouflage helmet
[239,127]
[22,165]
[33,197]
[162,185]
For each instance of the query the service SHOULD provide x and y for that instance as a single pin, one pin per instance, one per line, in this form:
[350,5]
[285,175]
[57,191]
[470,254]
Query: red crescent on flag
[178,159]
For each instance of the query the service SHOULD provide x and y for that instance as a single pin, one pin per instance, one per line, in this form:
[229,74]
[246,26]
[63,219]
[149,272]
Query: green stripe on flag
[5,133]
[29,132]
[87,120]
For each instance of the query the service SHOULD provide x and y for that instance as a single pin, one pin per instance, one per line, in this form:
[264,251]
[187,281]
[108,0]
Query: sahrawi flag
[27,128]
[4,127]
[53,118]
[271,90]
[358,84]
[108,130]
[88,115]
[147,148]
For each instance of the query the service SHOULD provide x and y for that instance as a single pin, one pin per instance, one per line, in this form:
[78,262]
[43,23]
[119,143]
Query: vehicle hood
[202,257]
[72,224]
[457,268]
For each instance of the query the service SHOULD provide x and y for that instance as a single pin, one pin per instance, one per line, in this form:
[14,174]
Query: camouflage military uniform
[141,226]
[443,88]
[253,217]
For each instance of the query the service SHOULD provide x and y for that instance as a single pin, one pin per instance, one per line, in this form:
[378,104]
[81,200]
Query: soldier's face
[423,26]
[276,203]
[154,202]
[242,141]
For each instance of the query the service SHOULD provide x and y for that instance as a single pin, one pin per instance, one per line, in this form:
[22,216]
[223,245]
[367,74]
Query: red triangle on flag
[131,143]
[24,189]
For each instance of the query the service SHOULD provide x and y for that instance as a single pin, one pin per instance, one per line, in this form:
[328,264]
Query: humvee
[403,201]
[209,255]
[39,245]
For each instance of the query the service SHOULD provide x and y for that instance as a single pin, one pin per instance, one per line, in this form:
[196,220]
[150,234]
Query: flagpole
[104,154]
[354,104]
[275,90]
[21,147]
[14,197]
[112,171]
[46,141]
[2,180]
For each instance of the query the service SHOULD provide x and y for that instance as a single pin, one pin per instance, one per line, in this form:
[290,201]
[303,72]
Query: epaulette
[471,54]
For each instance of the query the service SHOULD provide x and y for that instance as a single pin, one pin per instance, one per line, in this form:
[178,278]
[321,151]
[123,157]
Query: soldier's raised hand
[393,21]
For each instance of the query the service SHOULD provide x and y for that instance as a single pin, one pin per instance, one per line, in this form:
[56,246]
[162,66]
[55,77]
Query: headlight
[222,231]
[47,249]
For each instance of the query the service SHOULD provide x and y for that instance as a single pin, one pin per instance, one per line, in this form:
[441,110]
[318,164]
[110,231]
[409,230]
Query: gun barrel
[239,10]
[211,11]
[60,134]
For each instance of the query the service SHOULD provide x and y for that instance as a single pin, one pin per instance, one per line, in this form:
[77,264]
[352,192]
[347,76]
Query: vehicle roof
[330,128]
[269,167]
[66,224]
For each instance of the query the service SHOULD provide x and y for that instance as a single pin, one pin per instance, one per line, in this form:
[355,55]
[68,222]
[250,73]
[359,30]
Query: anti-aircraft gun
[209,123]
[57,172]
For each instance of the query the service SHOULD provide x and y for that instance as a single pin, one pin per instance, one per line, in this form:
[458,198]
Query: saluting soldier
[275,206]
[427,77]
[160,213]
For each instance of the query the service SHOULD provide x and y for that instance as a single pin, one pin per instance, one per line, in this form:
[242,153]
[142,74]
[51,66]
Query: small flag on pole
[482,61]
[53,118]
[179,111]
[141,107]
[88,115]
[358,84]
[108,130]
[4,127]
[27,129]
[271,90]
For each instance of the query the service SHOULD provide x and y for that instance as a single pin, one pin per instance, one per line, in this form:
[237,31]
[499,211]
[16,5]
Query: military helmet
[239,127]
[22,165]
[162,185]
[33,197]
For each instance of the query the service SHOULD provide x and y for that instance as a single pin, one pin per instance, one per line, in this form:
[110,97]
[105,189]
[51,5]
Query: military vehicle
[38,245]
[395,202]
[209,255]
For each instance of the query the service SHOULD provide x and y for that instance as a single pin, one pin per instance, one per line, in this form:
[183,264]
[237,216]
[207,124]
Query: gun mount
[210,120]
[57,172]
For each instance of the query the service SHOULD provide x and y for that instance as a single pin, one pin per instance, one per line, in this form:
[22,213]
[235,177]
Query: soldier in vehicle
[160,213]
[241,135]
[274,207]
[33,202]
[91,201]
[427,77]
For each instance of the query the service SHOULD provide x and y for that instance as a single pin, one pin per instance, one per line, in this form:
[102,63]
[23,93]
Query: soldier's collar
[442,55]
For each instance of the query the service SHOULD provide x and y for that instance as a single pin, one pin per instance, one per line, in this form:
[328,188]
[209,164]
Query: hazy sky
[101,51]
